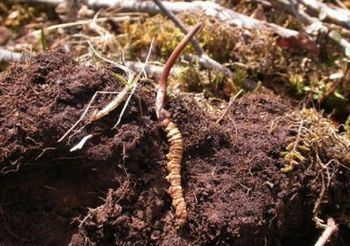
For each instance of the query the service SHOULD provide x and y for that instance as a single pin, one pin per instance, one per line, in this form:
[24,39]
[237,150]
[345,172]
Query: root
[331,229]
[314,134]
[326,177]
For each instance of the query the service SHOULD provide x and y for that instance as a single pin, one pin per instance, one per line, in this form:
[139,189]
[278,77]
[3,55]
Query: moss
[140,36]
[249,54]
[212,84]
[310,135]
[217,39]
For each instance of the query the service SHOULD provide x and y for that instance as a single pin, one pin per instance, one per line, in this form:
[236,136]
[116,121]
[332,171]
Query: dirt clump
[113,191]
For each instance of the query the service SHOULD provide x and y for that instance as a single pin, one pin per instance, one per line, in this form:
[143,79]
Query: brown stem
[166,70]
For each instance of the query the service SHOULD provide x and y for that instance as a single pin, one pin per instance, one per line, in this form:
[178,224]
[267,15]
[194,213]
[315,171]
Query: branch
[208,63]
[52,2]
[301,15]
[161,92]
[335,14]
[11,56]
[208,8]
[331,229]
[339,15]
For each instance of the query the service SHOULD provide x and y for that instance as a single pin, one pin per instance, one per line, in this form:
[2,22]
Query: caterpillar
[174,158]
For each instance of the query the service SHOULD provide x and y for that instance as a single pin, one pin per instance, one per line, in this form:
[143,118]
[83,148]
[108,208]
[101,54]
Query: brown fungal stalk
[174,157]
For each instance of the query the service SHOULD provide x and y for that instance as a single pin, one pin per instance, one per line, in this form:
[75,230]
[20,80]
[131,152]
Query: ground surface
[113,191]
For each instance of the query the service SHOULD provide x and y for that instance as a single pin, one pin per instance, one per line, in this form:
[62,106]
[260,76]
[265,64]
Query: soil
[113,191]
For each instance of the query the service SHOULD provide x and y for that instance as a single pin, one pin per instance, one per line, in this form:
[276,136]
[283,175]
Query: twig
[336,14]
[302,16]
[114,103]
[11,56]
[52,2]
[208,8]
[331,229]
[121,67]
[150,69]
[103,112]
[132,82]
[81,117]
[161,92]
[80,22]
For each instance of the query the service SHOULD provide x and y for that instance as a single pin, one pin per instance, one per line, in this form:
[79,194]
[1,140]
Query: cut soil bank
[113,191]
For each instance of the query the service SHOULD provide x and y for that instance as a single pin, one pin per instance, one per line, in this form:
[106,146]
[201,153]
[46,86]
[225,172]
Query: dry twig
[315,25]
[229,105]
[336,14]
[209,8]
[11,56]
[37,33]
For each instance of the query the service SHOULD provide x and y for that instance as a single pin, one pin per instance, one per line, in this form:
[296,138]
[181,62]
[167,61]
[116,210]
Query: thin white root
[331,229]
[80,145]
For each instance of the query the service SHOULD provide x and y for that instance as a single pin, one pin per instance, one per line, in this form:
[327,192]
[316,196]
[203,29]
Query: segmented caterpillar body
[174,158]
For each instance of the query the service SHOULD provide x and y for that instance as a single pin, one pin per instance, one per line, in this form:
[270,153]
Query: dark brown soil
[113,191]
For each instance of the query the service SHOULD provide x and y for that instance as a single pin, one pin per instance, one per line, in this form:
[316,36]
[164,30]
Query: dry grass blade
[135,84]
[132,83]
[113,104]
[122,67]
[229,105]
[83,114]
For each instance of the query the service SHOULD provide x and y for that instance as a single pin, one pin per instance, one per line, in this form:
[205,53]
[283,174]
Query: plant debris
[248,143]
[233,183]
